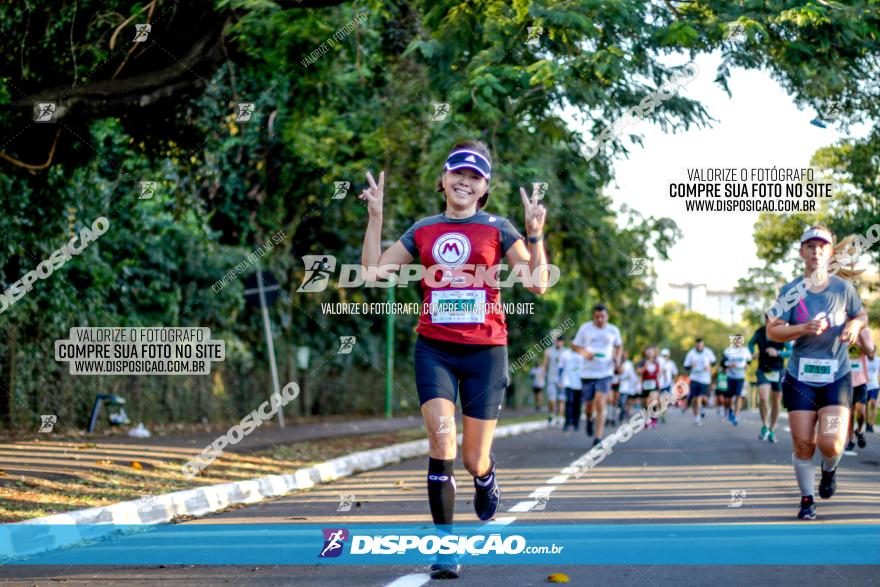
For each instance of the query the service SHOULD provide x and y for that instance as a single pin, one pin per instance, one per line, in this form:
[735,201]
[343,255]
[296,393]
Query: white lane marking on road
[502,521]
[523,506]
[416,580]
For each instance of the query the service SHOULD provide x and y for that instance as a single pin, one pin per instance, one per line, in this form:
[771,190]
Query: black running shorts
[797,395]
[478,372]
[860,394]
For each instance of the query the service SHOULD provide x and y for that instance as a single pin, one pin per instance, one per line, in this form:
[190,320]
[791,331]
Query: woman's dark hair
[474,145]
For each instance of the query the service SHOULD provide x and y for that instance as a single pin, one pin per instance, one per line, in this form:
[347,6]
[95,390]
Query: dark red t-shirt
[448,244]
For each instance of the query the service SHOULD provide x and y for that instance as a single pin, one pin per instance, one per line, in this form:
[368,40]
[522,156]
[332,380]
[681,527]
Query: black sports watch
[535,239]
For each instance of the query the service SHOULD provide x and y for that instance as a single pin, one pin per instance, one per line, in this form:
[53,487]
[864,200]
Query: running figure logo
[639,265]
[141,32]
[146,503]
[341,190]
[832,425]
[346,344]
[318,268]
[535,33]
[44,111]
[345,501]
[447,423]
[539,189]
[831,111]
[542,496]
[736,343]
[47,423]
[736,498]
[333,542]
[440,111]
[735,31]
[148,188]
[245,111]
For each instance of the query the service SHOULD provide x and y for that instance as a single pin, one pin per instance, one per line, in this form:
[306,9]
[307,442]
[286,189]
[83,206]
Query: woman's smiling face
[464,187]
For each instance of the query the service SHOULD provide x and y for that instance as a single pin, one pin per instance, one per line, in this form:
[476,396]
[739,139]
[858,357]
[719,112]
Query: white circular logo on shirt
[451,250]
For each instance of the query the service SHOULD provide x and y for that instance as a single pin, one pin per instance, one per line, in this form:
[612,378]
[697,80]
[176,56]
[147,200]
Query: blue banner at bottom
[570,544]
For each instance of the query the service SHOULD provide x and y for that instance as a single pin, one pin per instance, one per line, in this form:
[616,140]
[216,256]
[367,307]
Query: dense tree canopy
[337,94]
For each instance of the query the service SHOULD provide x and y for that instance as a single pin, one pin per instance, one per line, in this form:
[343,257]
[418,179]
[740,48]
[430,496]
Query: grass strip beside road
[41,478]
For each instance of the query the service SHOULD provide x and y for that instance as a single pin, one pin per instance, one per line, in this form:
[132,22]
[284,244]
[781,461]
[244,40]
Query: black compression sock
[441,490]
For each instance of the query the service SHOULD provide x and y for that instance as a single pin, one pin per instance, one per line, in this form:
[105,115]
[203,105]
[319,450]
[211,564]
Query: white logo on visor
[470,158]
[452,250]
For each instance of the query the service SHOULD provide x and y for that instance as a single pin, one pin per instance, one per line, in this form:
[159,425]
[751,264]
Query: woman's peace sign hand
[535,212]
[374,195]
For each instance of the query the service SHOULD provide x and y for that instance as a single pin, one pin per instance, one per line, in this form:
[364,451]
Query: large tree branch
[114,97]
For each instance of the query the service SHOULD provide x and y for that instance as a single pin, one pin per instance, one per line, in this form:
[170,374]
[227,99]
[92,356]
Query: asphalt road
[678,474]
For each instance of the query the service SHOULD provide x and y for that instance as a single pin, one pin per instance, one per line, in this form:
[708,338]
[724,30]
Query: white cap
[819,233]
[664,353]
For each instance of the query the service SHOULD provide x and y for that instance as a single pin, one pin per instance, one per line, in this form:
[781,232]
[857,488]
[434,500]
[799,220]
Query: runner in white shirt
[698,362]
[555,391]
[570,379]
[668,371]
[734,359]
[599,343]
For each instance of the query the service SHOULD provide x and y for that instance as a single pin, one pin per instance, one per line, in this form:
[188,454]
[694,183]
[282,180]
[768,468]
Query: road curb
[211,498]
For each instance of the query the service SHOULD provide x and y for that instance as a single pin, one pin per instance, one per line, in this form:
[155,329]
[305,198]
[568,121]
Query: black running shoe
[487,498]
[808,509]
[596,441]
[445,570]
[861,438]
[827,485]
[870,428]
[851,445]
[589,427]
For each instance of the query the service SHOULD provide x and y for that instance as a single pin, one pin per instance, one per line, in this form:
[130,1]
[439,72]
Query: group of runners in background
[570,380]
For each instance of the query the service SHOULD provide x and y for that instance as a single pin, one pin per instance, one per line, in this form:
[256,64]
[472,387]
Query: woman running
[648,370]
[823,320]
[462,342]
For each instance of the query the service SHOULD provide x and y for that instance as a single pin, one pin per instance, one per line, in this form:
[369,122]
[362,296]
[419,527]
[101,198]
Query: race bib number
[817,370]
[466,306]
[856,366]
[772,376]
[649,385]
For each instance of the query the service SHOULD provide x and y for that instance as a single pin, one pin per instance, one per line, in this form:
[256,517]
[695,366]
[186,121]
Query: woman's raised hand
[374,195]
[535,213]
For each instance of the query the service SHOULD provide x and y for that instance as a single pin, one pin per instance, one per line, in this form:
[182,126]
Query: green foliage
[225,187]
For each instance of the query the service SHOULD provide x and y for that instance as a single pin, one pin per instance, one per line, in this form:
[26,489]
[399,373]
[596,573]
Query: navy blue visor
[466,158]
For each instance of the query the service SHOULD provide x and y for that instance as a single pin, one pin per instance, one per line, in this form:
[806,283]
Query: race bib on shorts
[772,376]
[649,385]
[463,306]
[817,370]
